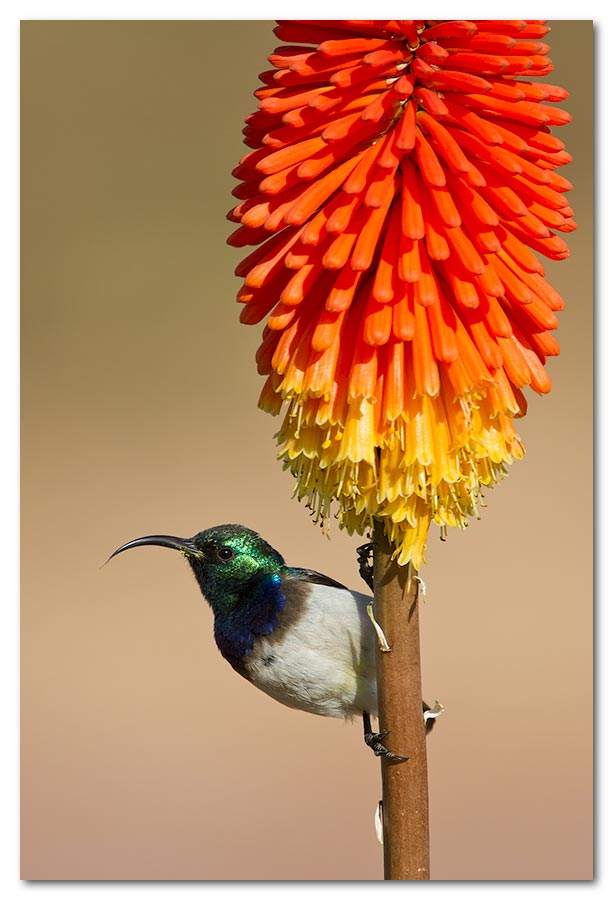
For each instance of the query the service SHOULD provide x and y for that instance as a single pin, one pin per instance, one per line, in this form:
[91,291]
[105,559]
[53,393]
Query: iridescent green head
[227,560]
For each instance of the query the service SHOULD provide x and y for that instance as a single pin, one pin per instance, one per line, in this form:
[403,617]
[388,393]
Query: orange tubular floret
[359,74]
[425,287]
[427,379]
[542,193]
[409,265]
[431,52]
[520,253]
[289,156]
[453,29]
[332,153]
[403,315]
[412,218]
[357,181]
[339,251]
[382,107]
[369,235]
[379,187]
[264,262]
[264,354]
[377,323]
[342,294]
[476,126]
[383,287]
[471,258]
[450,80]
[320,369]
[285,347]
[341,213]
[463,287]
[315,231]
[514,363]
[517,289]
[327,329]
[280,317]
[427,161]
[546,292]
[494,317]
[312,67]
[405,134]
[449,149]
[363,372]
[445,207]
[393,400]
[486,345]
[431,101]
[404,86]
[490,283]
[437,246]
[316,194]
[539,379]
[443,325]
[468,198]
[351,45]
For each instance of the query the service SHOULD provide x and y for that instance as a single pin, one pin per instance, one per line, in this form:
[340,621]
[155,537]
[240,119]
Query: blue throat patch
[253,616]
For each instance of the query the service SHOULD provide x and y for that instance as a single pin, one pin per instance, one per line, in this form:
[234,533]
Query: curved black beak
[185,545]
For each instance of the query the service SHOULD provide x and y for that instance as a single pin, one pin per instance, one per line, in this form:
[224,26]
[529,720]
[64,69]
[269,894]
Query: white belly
[325,663]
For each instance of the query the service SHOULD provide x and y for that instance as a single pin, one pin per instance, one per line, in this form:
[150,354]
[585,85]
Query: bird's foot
[431,714]
[373,739]
[365,552]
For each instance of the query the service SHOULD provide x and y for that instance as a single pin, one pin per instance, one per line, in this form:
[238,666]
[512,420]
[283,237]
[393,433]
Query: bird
[299,636]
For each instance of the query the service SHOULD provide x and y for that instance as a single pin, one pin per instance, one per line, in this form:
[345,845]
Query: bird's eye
[225,553]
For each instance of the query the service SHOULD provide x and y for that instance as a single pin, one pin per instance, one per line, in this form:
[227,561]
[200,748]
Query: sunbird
[298,635]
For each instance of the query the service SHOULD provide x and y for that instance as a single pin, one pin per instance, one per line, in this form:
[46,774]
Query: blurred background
[144,756]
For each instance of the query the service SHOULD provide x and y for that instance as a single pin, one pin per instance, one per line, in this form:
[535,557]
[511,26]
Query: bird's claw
[365,552]
[433,712]
[373,740]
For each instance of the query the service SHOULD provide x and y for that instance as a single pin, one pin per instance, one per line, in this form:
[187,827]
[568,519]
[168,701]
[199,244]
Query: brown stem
[405,784]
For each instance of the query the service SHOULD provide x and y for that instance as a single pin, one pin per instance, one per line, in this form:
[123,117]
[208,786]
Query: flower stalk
[406,848]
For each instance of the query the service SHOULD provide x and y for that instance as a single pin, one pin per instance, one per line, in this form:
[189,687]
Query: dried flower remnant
[401,180]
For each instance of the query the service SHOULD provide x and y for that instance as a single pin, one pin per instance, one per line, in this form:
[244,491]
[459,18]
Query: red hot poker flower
[401,181]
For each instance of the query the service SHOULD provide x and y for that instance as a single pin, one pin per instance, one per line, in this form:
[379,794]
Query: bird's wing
[314,577]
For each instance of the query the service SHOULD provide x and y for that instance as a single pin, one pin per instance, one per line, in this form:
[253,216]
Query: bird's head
[227,560]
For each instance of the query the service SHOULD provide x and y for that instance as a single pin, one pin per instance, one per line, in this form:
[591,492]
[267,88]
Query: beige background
[144,756]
